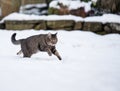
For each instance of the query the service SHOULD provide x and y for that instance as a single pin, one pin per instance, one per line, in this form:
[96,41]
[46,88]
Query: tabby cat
[33,44]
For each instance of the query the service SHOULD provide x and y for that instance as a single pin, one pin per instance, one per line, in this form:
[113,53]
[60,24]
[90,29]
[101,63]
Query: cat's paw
[50,54]
[59,58]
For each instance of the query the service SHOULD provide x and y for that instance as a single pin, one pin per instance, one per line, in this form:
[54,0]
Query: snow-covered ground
[90,63]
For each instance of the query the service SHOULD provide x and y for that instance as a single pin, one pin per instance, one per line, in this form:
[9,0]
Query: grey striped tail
[13,40]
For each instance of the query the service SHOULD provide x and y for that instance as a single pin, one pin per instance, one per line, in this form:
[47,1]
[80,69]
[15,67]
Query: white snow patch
[34,5]
[106,18]
[71,4]
[94,1]
[18,16]
[33,9]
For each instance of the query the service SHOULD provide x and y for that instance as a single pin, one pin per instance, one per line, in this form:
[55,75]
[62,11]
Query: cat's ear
[56,34]
[49,35]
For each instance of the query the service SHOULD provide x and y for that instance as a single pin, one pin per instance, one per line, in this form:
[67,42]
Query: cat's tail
[13,39]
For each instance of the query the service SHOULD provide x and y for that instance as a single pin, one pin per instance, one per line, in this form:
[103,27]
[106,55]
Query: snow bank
[35,17]
[106,18]
[37,9]
[71,4]
[34,5]
[90,63]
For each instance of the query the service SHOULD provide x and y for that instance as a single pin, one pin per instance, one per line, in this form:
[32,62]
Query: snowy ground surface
[90,63]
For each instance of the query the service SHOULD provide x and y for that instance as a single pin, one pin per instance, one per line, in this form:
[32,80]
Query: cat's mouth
[50,44]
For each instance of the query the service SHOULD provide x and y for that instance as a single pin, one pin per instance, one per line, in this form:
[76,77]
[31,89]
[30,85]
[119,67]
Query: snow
[71,4]
[42,17]
[36,9]
[90,63]
[94,1]
[34,5]
[106,18]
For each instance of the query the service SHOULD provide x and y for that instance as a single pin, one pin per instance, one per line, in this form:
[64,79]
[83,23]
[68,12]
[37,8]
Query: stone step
[96,27]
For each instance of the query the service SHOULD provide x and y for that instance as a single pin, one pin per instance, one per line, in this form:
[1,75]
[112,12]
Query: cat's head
[52,39]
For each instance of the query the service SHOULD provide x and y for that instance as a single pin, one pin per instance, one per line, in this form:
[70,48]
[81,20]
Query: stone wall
[22,25]
[112,6]
[69,25]
[9,6]
[60,24]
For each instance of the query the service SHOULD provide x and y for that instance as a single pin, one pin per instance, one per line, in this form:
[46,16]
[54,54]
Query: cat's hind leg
[26,52]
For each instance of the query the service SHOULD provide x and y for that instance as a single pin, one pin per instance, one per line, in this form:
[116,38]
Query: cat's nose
[54,41]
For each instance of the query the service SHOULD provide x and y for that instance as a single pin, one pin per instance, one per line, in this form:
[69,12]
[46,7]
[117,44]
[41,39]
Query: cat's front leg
[55,52]
[49,51]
